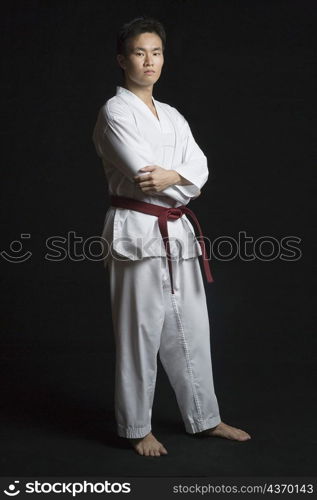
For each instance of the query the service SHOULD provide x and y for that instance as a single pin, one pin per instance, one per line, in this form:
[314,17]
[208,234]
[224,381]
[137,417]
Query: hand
[158,179]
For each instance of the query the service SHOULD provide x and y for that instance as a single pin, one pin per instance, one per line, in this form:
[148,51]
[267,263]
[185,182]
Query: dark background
[243,75]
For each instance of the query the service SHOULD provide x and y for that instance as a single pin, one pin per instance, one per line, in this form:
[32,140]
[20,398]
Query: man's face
[144,54]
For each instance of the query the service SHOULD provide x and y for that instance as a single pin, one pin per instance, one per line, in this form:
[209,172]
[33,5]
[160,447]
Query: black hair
[138,25]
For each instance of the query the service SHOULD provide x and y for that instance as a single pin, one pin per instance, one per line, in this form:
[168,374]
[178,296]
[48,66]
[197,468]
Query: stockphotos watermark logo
[12,490]
[266,248]
[69,488]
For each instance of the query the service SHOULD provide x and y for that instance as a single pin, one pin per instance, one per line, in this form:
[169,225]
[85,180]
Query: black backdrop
[243,75]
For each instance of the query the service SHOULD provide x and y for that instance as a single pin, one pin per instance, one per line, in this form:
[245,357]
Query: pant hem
[133,432]
[202,425]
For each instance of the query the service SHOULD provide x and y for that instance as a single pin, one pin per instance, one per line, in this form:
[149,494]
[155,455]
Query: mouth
[150,72]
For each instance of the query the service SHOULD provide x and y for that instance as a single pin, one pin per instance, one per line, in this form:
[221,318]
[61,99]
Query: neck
[144,93]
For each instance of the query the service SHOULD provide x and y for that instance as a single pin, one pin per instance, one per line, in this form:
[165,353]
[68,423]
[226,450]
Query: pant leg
[185,346]
[137,304]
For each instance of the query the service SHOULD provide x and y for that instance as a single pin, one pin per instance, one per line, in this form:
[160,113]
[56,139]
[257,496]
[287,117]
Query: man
[153,166]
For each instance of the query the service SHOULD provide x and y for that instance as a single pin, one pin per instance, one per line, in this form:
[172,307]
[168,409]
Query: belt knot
[174,213]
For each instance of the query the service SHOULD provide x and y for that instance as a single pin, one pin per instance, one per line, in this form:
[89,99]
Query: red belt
[164,214]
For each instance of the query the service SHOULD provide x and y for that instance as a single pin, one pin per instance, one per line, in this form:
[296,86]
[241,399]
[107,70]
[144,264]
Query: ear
[121,61]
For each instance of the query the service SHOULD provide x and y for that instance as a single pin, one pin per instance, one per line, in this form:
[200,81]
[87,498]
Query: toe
[244,436]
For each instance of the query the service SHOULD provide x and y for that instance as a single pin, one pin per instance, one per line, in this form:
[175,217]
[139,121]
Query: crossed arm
[158,179]
[117,139]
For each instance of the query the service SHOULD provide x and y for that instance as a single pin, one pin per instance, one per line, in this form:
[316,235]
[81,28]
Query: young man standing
[154,168]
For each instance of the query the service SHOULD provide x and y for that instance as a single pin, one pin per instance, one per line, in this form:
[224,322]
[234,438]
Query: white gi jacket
[127,137]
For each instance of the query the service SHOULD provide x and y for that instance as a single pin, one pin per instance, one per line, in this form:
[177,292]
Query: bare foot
[148,446]
[226,431]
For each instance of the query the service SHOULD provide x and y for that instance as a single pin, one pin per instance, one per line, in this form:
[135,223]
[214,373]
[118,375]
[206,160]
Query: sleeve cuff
[190,190]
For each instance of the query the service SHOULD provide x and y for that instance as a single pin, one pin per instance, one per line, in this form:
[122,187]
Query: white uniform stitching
[187,356]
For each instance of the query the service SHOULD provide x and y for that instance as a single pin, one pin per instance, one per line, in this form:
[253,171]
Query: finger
[146,183]
[148,190]
[140,178]
[148,168]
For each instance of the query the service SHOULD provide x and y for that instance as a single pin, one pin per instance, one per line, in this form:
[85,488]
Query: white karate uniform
[147,318]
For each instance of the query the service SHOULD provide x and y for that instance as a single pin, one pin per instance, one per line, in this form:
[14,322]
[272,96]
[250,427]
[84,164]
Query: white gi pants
[148,319]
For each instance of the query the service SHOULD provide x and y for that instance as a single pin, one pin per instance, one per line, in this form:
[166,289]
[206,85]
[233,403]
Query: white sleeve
[116,138]
[194,166]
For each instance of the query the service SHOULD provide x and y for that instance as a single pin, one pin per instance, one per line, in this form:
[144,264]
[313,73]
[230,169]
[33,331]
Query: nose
[148,60]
